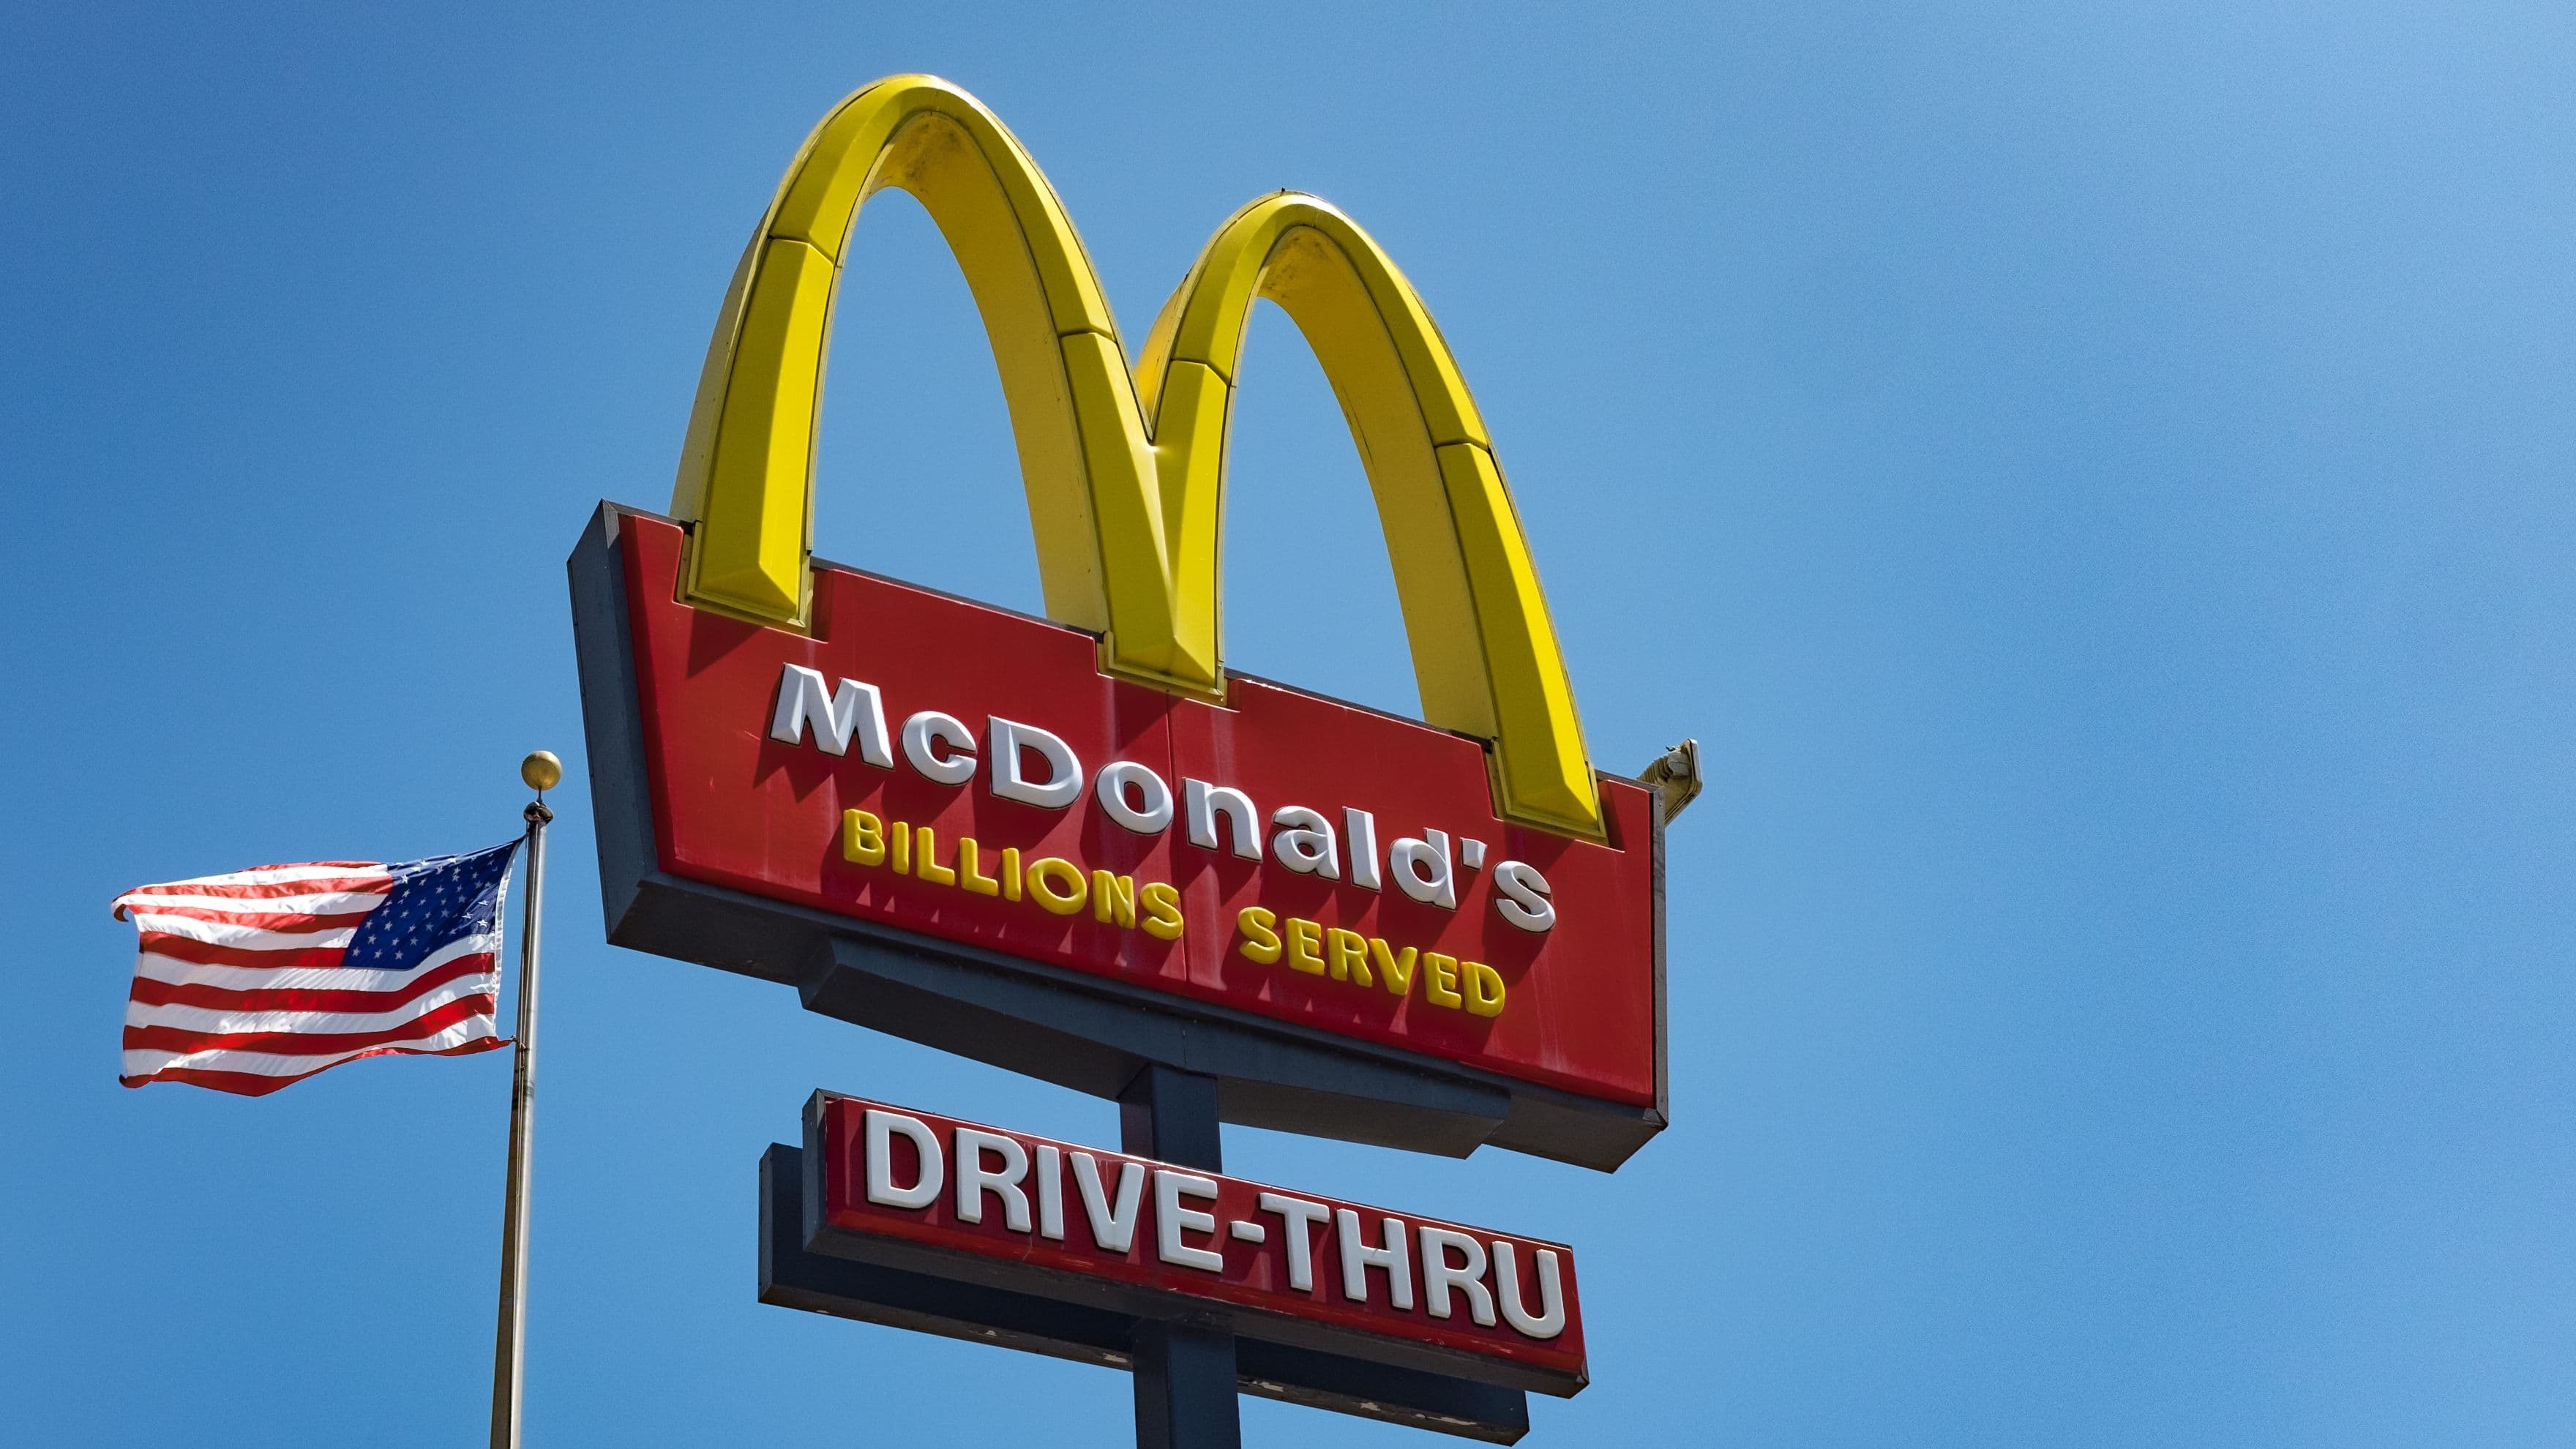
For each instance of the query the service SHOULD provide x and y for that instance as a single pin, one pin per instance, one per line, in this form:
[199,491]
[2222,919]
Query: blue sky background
[2096,479]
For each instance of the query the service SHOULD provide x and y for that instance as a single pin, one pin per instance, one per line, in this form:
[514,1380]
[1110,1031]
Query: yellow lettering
[1260,943]
[1395,966]
[1113,898]
[899,848]
[1440,980]
[1484,989]
[1348,953]
[1162,910]
[1059,885]
[1010,872]
[1304,936]
[928,866]
[969,869]
[862,838]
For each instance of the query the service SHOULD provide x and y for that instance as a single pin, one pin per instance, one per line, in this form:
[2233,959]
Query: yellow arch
[1125,479]
[1484,650]
[747,469]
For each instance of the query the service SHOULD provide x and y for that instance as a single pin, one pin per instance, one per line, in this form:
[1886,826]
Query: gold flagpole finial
[542,771]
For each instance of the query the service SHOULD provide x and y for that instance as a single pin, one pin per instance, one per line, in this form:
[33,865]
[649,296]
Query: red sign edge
[1085,1032]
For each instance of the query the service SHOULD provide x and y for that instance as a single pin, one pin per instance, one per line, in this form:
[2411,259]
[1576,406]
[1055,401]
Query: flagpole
[541,771]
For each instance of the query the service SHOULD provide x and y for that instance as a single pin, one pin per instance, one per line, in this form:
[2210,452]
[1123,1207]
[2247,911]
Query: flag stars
[434,904]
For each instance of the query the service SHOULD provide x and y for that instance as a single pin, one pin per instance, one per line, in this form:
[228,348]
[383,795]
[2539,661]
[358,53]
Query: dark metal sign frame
[1082,1031]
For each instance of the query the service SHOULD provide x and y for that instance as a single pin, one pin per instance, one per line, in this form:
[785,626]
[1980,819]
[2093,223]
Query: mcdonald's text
[941,748]
[958,773]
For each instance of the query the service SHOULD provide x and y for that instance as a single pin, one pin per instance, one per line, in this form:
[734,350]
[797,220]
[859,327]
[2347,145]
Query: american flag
[253,980]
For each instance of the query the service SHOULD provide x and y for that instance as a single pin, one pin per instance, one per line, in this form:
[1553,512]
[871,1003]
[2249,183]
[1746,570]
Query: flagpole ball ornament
[541,771]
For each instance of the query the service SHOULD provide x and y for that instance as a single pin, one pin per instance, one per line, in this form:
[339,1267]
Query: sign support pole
[1184,1372]
[509,1347]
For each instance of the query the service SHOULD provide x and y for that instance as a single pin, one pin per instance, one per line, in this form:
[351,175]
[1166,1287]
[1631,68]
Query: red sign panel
[969,774]
[955,1187]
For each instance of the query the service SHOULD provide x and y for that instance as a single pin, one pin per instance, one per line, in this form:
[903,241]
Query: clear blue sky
[2097,479]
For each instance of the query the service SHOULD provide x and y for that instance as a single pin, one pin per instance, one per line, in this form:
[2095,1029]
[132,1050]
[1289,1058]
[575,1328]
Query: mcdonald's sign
[1075,845]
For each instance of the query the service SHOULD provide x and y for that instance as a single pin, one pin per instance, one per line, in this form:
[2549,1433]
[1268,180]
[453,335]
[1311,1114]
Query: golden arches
[746,471]
[1125,478]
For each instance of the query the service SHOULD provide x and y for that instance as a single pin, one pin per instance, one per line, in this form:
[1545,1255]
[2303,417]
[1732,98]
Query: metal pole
[509,1347]
[1184,1371]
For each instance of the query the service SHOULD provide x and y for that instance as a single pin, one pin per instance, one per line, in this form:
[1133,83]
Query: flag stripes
[251,980]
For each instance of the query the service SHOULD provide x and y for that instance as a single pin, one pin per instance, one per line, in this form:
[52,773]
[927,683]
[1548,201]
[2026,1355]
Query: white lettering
[1304,843]
[1010,739]
[1154,810]
[1170,1218]
[1422,868]
[1358,1258]
[1523,896]
[930,727]
[944,749]
[974,1179]
[853,710]
[1206,802]
[1551,1292]
[1050,1192]
[1296,1216]
[1114,1229]
[882,1129]
[1439,1275]
[1360,828]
